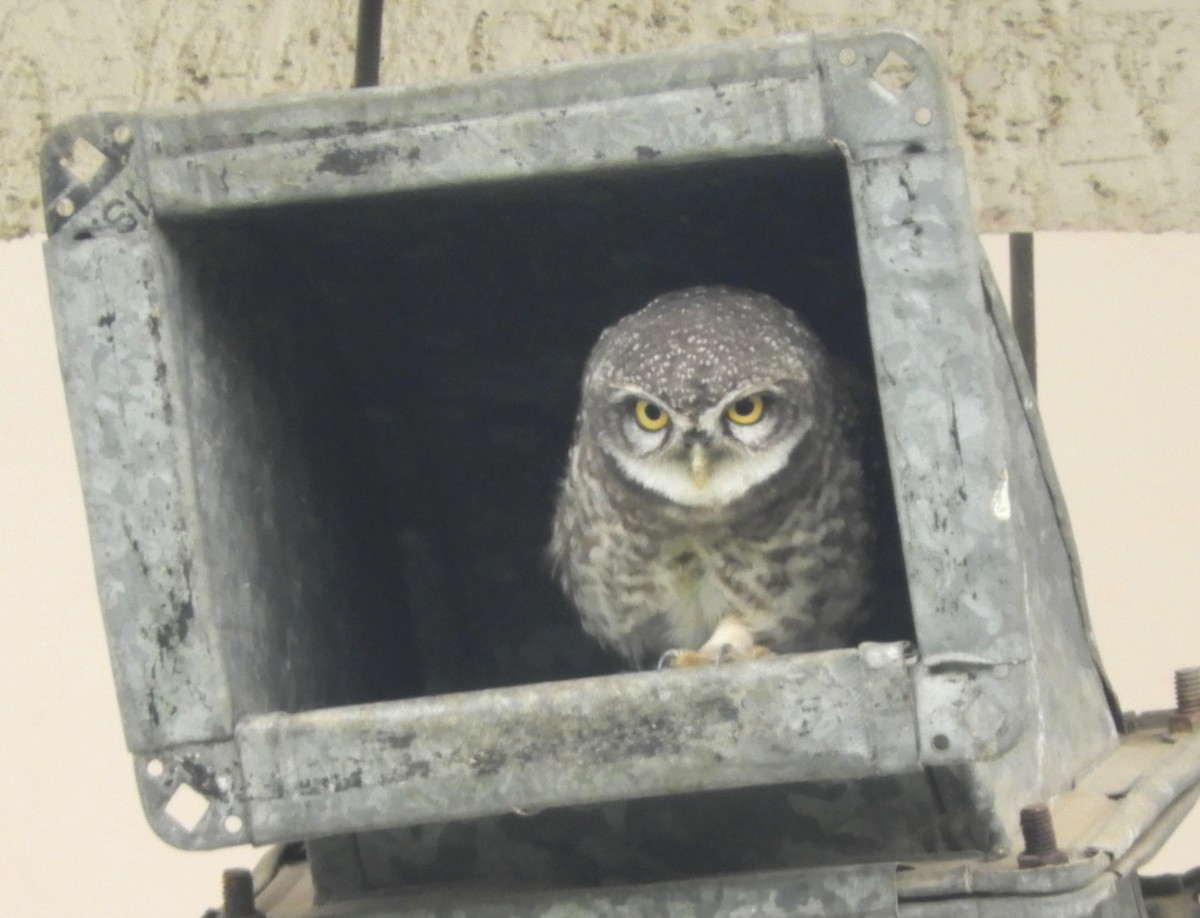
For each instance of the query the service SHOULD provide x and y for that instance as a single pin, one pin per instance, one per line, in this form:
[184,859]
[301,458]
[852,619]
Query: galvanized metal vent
[321,357]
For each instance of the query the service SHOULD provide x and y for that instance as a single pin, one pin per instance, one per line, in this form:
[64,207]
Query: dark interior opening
[413,364]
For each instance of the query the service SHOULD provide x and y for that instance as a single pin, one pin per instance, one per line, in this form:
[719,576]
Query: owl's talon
[675,659]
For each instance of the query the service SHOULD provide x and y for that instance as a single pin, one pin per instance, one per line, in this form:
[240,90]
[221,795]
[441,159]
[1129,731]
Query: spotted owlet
[716,503]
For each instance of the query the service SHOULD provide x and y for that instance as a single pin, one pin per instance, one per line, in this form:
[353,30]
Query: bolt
[1037,826]
[1187,690]
[237,889]
[1186,717]
[1041,847]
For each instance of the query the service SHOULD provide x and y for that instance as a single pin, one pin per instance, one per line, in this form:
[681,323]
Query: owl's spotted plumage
[716,503]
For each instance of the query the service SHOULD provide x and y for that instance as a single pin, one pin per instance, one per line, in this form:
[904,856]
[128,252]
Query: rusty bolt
[1041,847]
[237,894]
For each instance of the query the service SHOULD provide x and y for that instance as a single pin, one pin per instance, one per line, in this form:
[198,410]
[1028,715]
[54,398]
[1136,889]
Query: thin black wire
[367,43]
[1020,274]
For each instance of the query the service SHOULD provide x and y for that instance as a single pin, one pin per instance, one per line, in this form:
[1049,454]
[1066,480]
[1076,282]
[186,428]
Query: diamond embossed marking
[894,73]
[84,162]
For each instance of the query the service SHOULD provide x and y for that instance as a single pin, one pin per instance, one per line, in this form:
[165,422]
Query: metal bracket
[192,795]
[80,161]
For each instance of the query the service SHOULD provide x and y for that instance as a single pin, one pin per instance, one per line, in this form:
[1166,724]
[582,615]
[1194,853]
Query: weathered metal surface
[947,459]
[1075,724]
[816,717]
[965,443]
[862,891]
[762,98]
[1106,897]
[650,840]
[114,359]
[1097,880]
[185,449]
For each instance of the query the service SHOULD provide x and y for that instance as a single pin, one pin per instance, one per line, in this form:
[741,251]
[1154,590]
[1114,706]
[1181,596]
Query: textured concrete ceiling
[1074,114]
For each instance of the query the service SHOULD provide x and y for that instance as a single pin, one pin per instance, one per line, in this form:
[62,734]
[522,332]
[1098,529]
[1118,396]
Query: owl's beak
[699,465]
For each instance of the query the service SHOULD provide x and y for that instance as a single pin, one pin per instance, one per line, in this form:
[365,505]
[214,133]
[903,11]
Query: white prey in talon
[731,642]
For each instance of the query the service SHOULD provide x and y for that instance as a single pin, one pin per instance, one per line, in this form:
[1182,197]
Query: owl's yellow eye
[649,416]
[745,410]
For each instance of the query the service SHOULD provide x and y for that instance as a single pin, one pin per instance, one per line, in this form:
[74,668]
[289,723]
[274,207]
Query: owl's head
[704,394]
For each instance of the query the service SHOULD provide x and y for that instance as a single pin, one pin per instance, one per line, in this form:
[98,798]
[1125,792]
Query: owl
[717,504]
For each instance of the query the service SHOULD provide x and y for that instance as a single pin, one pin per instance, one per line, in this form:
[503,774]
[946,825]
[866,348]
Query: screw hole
[233,824]
[187,807]
[941,742]
[155,768]
[847,56]
[923,116]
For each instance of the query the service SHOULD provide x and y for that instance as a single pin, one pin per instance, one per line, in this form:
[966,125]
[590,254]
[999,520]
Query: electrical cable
[367,43]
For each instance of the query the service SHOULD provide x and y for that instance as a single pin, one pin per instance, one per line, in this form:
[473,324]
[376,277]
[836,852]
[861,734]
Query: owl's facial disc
[708,460]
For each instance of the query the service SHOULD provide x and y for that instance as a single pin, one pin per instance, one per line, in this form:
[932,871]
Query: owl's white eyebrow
[746,391]
[621,393]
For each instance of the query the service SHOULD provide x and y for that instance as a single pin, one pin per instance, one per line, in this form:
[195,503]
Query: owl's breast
[681,572]
[691,586]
